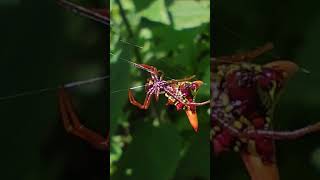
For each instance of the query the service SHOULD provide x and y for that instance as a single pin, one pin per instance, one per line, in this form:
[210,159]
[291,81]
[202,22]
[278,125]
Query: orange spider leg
[146,103]
[146,67]
[181,80]
[103,12]
[72,124]
[99,15]
[246,56]
[150,68]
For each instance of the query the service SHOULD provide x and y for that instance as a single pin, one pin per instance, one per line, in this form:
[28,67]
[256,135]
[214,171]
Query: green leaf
[156,12]
[196,161]
[168,39]
[153,154]
[118,98]
[189,14]
[142,4]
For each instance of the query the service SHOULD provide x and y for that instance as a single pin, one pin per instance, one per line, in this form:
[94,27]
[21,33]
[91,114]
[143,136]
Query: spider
[180,92]
[244,96]
[98,15]
[70,119]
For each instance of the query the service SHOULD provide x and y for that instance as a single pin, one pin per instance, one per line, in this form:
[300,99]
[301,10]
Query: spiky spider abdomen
[182,91]
[243,100]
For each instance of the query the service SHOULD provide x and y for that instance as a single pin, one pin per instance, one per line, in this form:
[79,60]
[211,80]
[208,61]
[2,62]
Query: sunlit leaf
[189,14]
[156,12]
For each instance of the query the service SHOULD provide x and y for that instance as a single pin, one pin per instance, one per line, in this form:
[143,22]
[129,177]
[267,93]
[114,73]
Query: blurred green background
[43,45]
[293,26]
[158,143]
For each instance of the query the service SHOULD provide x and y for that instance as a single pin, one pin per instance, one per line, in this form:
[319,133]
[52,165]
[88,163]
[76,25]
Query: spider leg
[199,103]
[98,15]
[181,80]
[72,124]
[275,135]
[156,95]
[152,70]
[246,56]
[283,135]
[146,103]
[290,68]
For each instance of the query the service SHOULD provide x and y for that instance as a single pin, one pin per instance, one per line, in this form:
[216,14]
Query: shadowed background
[43,45]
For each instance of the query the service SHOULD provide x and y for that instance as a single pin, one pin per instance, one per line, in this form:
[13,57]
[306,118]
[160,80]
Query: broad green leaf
[156,12]
[142,4]
[196,159]
[153,154]
[189,14]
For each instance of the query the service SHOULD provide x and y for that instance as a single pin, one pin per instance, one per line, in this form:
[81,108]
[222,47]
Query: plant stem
[130,31]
